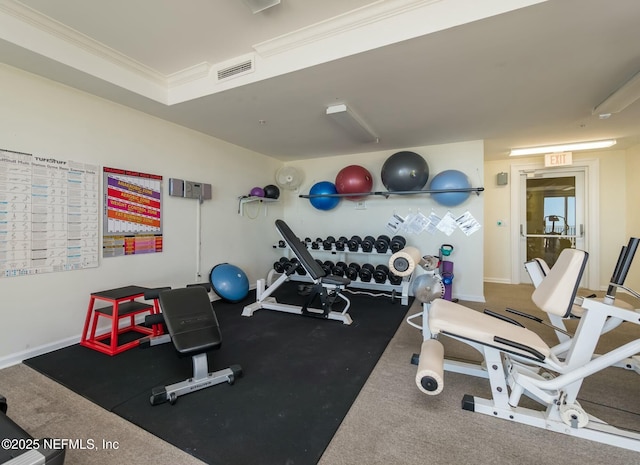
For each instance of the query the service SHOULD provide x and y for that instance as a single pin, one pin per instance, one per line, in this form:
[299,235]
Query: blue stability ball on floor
[229,282]
[450,179]
[324,203]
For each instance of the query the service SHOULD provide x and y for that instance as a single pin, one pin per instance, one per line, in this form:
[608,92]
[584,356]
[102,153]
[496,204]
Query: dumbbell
[315,245]
[341,243]
[327,244]
[352,271]
[380,274]
[382,244]
[307,242]
[354,243]
[327,266]
[366,272]
[397,243]
[281,264]
[394,279]
[367,243]
[339,269]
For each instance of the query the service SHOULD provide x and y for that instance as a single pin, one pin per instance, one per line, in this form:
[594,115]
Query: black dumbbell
[307,242]
[354,243]
[380,274]
[367,243]
[394,279]
[382,243]
[327,244]
[327,266]
[352,271]
[341,243]
[397,243]
[280,265]
[366,272]
[339,269]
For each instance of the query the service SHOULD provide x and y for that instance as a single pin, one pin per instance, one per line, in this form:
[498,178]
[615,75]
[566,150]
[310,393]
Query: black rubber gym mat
[301,376]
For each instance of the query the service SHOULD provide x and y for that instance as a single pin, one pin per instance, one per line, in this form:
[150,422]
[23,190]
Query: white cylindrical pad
[403,262]
[429,376]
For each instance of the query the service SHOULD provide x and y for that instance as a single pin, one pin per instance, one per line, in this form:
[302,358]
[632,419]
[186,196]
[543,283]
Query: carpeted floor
[301,375]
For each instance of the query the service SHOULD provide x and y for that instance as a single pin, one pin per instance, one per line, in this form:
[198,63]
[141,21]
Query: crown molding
[354,19]
[52,28]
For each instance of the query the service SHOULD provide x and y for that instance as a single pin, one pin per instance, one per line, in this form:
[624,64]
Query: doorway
[554,209]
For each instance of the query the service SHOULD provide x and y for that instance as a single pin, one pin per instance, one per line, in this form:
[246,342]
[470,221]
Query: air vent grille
[231,71]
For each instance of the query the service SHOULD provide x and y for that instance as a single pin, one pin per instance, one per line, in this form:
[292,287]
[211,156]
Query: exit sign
[558,159]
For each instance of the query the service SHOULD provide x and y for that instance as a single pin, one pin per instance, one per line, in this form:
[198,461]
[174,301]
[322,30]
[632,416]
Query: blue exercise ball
[450,179]
[229,282]
[404,171]
[323,188]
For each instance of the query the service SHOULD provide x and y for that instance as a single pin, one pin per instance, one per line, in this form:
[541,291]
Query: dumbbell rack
[402,289]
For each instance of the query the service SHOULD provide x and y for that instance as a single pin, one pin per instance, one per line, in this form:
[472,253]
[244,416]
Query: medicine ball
[257,192]
[405,171]
[271,191]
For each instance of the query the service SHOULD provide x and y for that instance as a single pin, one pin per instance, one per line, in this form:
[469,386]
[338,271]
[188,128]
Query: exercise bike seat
[190,319]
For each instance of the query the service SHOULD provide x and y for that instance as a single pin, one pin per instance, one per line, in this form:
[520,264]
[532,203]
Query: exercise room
[344,232]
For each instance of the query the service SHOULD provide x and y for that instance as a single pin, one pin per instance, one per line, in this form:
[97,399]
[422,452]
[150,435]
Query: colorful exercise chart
[132,213]
[49,214]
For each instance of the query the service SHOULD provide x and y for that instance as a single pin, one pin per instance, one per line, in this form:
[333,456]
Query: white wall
[44,118]
[614,212]
[632,170]
[345,220]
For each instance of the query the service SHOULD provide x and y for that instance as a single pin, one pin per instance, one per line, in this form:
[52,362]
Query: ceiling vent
[235,70]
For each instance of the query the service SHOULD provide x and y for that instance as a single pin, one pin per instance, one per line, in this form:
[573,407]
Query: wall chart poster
[49,214]
[132,213]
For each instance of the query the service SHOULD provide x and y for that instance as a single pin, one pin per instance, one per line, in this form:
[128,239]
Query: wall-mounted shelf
[250,199]
[388,194]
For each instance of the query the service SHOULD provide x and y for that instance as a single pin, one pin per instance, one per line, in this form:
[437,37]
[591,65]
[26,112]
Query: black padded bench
[194,330]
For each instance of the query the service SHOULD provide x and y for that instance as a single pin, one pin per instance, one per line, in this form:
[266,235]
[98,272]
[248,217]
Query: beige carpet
[391,422]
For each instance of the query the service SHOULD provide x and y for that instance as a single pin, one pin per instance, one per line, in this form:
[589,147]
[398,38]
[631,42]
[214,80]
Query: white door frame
[592,216]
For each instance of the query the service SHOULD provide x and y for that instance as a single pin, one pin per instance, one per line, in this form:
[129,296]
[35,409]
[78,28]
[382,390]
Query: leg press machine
[518,362]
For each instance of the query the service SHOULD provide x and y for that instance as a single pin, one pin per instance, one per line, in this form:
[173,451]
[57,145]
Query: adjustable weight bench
[327,287]
[518,362]
[193,328]
[21,447]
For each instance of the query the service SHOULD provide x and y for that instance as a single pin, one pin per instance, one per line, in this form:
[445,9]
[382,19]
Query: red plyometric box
[123,305]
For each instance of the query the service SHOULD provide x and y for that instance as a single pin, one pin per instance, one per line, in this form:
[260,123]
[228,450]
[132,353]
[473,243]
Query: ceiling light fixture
[598,144]
[628,93]
[259,5]
[352,123]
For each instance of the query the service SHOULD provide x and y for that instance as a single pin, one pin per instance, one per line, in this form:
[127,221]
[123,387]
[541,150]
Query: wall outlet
[361,205]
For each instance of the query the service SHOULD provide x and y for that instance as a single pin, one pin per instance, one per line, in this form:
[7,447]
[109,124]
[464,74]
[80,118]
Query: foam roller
[403,262]
[429,376]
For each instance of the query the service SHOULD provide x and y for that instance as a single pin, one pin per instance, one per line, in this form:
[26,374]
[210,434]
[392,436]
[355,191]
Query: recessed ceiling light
[598,144]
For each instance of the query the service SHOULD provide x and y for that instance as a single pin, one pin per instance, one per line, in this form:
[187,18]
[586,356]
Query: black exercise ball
[271,191]
[405,171]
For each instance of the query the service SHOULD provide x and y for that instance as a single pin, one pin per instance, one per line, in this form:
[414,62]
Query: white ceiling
[420,72]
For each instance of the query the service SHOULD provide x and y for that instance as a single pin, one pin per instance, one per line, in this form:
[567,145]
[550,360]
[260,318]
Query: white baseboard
[470,297]
[18,357]
[497,280]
